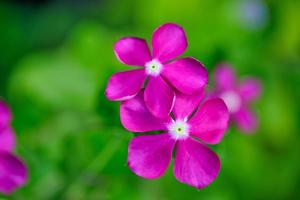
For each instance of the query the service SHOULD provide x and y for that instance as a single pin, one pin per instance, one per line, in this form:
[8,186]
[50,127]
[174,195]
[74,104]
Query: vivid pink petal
[5,114]
[159,97]
[210,122]
[195,164]
[246,120]
[168,42]
[125,85]
[7,139]
[186,74]
[132,51]
[136,117]
[150,155]
[13,172]
[224,77]
[185,105]
[250,89]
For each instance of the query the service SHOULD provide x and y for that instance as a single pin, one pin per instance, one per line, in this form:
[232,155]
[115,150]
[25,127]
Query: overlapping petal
[187,75]
[186,104]
[136,117]
[132,51]
[149,109]
[195,164]
[7,139]
[150,155]
[159,97]
[13,172]
[225,77]
[125,85]
[168,42]
[250,89]
[246,120]
[210,121]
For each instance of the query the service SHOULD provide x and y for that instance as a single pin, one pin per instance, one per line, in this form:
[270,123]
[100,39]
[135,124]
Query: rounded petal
[246,120]
[250,89]
[150,155]
[159,97]
[187,75]
[224,77]
[195,164]
[7,139]
[185,105]
[168,42]
[210,121]
[132,51]
[5,114]
[136,117]
[13,173]
[125,85]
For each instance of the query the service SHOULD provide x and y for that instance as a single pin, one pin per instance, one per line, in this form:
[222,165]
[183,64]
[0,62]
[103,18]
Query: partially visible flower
[237,96]
[189,131]
[163,75]
[253,14]
[5,115]
[13,172]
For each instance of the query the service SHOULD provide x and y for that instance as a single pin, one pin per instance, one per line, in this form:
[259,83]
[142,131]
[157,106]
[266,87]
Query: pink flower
[163,75]
[149,155]
[237,96]
[13,172]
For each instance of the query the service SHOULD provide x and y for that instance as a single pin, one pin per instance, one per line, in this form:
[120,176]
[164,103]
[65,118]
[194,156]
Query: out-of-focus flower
[237,96]
[163,75]
[195,163]
[13,172]
[253,14]
[5,115]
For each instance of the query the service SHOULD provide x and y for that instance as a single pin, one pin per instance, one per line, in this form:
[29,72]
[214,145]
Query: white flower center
[232,100]
[179,129]
[153,67]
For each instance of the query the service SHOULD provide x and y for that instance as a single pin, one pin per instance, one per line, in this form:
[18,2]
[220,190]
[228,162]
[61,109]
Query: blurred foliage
[56,57]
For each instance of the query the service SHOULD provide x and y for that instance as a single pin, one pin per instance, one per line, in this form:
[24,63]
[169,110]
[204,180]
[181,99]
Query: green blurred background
[55,60]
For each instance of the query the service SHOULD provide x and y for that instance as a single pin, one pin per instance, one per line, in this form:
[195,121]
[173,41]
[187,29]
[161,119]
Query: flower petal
[132,51]
[210,122]
[136,117]
[7,139]
[159,97]
[13,172]
[250,89]
[246,120]
[168,42]
[224,77]
[187,75]
[185,105]
[150,155]
[195,164]
[125,85]
[5,114]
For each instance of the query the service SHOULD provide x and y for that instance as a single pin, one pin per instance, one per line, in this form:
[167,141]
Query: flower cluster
[13,172]
[165,94]
[237,96]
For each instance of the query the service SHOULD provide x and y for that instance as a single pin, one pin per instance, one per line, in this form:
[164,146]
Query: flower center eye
[153,68]
[178,129]
[232,100]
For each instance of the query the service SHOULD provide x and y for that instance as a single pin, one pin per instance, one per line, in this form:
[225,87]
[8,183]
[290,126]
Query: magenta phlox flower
[13,172]
[237,96]
[189,130]
[161,73]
